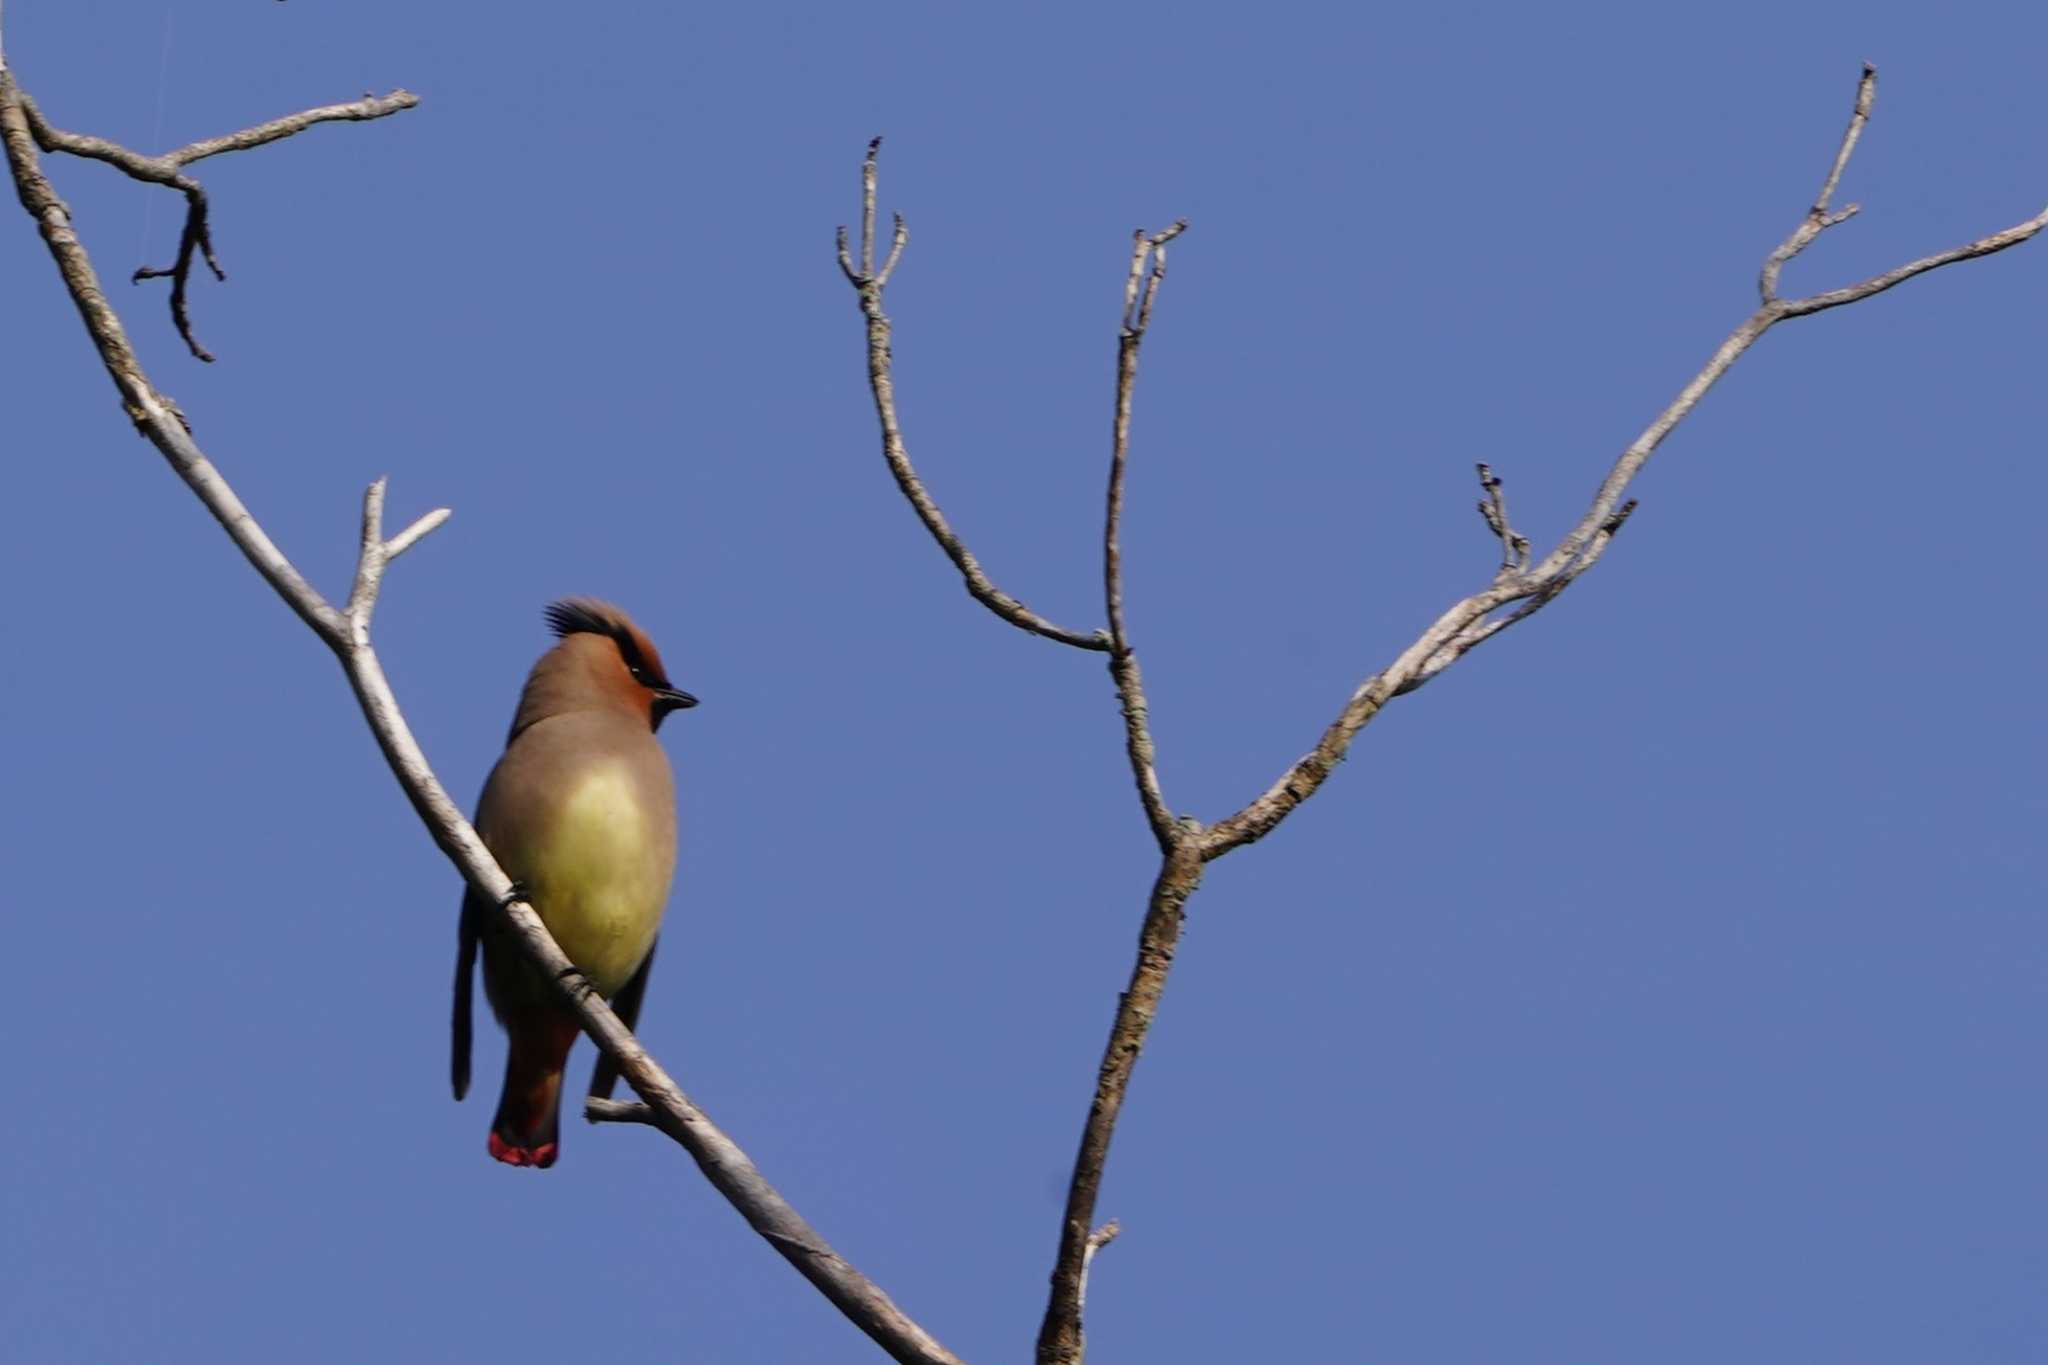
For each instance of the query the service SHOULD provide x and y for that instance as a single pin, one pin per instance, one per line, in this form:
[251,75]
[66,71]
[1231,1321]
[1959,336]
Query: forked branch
[168,170]
[868,283]
[1520,586]
[346,631]
[1515,596]
[1179,840]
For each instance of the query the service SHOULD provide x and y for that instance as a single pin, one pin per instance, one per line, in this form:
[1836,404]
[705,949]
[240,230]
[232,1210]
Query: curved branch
[197,236]
[346,631]
[1141,287]
[1471,621]
[869,283]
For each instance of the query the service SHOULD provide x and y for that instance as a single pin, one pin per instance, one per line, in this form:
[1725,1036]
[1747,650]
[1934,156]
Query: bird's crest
[588,616]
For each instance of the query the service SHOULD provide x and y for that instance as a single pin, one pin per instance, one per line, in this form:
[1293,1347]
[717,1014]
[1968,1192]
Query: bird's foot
[578,984]
[520,892]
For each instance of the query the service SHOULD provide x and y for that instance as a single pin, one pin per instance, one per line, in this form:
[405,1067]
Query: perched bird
[581,813]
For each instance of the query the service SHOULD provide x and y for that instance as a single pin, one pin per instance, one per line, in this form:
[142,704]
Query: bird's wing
[626,1004]
[466,932]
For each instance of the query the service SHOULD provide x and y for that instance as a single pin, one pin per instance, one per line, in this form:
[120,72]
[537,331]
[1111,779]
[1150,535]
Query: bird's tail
[525,1131]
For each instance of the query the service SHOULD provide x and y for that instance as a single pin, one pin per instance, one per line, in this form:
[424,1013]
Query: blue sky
[1664,982]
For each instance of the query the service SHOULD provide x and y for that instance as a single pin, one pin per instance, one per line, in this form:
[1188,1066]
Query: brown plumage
[580,812]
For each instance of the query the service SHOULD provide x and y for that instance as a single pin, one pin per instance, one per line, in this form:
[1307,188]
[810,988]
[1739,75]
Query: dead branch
[346,631]
[1519,589]
[869,283]
[167,170]
[1060,1336]
[1141,288]
[1473,619]
[1180,841]
[1514,546]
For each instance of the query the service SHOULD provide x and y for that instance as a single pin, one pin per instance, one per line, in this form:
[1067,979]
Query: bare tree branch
[1180,841]
[1097,1240]
[1818,219]
[346,631]
[1519,589]
[1514,546]
[1060,1340]
[1472,621]
[869,284]
[1877,284]
[596,1110]
[1140,289]
[197,236]
[351,111]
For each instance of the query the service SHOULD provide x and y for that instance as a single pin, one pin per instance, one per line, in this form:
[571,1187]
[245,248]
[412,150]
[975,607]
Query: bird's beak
[667,699]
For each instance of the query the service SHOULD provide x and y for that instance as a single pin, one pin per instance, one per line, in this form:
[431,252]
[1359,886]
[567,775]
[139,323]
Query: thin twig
[346,633]
[374,554]
[197,237]
[349,111]
[1482,630]
[1514,546]
[597,1110]
[1097,1240]
[1471,621]
[1877,284]
[868,285]
[1141,287]
[1818,219]
[198,234]
[868,174]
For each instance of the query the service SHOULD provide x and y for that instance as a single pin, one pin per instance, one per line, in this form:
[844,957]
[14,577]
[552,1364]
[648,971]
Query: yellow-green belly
[601,879]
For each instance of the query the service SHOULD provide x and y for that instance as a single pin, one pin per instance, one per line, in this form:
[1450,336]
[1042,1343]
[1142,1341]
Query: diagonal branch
[346,631]
[1472,620]
[349,111]
[1877,284]
[1060,1339]
[1818,219]
[869,283]
[197,237]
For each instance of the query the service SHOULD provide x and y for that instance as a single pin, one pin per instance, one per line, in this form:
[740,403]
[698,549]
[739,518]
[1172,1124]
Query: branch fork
[1521,586]
[1138,303]
[1818,219]
[376,554]
[868,283]
[346,631]
[1519,589]
[1180,839]
[1514,546]
[168,170]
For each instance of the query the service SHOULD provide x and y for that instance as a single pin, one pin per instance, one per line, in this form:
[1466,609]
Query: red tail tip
[540,1157]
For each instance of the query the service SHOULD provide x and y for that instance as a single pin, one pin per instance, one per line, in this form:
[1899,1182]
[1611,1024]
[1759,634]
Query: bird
[580,812]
